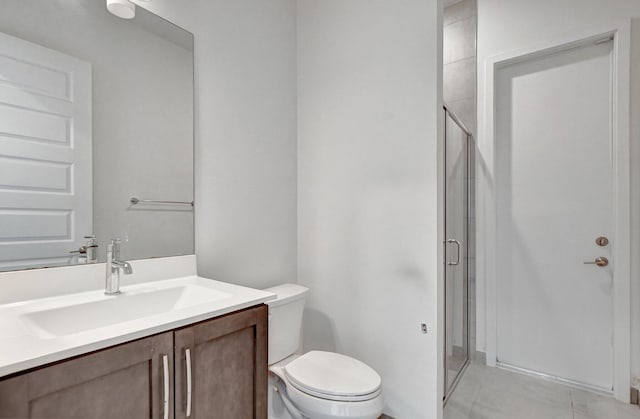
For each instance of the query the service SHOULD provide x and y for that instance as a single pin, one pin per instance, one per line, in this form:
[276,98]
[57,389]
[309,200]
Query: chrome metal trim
[555,379]
[136,201]
[452,387]
[448,390]
[187,356]
[457,243]
[457,120]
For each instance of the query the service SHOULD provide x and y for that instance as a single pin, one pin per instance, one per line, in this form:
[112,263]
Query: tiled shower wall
[459,72]
[459,58]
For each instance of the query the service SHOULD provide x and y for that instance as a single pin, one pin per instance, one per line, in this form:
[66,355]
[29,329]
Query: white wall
[507,25]
[368,94]
[369,89]
[459,58]
[245,147]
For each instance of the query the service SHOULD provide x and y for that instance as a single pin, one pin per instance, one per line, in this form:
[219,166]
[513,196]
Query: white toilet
[315,385]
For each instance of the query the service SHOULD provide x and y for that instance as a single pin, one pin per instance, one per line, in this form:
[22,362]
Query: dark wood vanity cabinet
[228,360]
[126,381]
[224,363]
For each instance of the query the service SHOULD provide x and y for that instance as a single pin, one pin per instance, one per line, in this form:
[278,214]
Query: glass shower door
[456,233]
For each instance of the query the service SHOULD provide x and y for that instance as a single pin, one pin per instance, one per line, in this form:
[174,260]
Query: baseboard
[555,379]
[480,357]
[635,391]
[634,396]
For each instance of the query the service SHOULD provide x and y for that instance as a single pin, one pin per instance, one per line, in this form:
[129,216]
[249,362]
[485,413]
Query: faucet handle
[115,244]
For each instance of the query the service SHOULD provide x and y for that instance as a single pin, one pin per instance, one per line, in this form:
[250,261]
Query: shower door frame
[448,390]
[487,201]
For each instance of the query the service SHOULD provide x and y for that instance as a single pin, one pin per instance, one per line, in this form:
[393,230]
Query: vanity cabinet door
[222,363]
[126,381]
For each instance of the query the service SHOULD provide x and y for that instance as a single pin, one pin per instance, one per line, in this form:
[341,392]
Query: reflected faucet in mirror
[89,252]
[114,264]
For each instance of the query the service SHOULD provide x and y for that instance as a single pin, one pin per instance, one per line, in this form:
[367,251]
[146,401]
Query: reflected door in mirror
[45,154]
[94,110]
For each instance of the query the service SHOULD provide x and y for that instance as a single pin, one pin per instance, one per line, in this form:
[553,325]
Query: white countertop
[25,343]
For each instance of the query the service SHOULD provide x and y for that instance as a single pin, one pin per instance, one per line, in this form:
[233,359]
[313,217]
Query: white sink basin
[55,314]
[80,314]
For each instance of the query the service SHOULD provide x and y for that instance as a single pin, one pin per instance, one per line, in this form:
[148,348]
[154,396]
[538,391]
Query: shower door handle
[459,246]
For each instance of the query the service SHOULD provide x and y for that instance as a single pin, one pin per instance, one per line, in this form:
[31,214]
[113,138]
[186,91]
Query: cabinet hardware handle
[187,356]
[165,375]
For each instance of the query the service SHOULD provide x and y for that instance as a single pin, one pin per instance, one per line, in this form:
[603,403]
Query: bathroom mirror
[94,110]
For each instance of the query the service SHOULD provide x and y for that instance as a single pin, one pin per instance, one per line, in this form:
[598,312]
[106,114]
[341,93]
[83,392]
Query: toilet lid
[333,376]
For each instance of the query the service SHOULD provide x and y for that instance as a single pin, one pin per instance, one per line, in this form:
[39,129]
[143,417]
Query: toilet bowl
[326,385]
[317,384]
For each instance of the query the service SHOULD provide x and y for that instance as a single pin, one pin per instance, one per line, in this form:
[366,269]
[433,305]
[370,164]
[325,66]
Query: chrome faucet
[112,283]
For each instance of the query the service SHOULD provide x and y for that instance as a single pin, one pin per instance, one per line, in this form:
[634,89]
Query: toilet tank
[285,320]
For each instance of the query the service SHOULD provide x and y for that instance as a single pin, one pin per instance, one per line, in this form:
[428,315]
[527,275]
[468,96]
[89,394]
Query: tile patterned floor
[491,393]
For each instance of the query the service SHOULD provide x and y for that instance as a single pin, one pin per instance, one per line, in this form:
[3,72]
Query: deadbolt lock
[602,241]
[600,261]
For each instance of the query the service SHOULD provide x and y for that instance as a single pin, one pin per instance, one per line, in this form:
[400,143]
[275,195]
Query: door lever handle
[600,261]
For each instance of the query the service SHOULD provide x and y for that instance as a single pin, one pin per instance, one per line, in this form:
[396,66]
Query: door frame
[486,206]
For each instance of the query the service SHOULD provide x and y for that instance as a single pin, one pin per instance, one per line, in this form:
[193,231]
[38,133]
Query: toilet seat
[332,376]
[319,408]
[320,404]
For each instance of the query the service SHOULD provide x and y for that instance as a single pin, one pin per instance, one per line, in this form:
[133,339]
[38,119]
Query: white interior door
[554,188]
[45,154]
